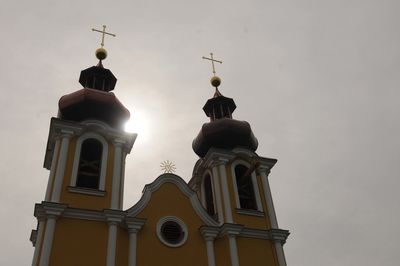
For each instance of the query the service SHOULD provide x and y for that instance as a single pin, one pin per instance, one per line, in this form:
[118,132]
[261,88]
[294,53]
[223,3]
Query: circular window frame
[183,226]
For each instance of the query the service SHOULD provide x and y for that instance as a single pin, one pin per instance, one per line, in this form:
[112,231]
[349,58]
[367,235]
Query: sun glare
[139,123]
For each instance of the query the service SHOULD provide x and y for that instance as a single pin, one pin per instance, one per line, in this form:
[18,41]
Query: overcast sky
[319,82]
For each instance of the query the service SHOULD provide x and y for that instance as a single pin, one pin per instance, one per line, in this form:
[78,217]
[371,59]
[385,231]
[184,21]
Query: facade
[223,216]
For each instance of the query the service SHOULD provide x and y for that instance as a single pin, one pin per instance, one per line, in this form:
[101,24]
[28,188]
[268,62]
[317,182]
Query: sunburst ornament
[168,167]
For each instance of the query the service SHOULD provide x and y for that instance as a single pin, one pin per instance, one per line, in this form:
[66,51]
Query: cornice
[114,216]
[230,229]
[49,209]
[209,232]
[134,224]
[279,235]
[83,214]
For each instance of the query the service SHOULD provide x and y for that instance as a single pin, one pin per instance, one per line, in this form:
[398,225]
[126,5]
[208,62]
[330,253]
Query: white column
[134,226]
[268,198]
[62,160]
[233,250]
[232,231]
[209,234]
[48,241]
[112,243]
[215,179]
[210,251]
[271,214]
[113,217]
[51,211]
[52,170]
[121,189]
[116,181]
[226,194]
[132,247]
[280,254]
[39,240]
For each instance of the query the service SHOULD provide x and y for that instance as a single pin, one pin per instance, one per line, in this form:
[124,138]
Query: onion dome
[223,131]
[94,101]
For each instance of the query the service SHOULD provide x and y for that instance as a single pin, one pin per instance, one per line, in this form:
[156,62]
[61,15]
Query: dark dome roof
[93,104]
[225,133]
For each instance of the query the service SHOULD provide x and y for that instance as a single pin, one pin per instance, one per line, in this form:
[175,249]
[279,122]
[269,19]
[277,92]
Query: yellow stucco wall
[77,200]
[255,252]
[86,240]
[246,220]
[168,200]
[122,252]
[222,253]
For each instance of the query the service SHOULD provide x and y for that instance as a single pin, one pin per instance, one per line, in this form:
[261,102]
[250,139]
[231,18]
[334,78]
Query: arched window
[208,194]
[89,168]
[245,188]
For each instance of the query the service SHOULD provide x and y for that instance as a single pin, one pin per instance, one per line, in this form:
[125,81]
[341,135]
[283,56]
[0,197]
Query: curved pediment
[149,189]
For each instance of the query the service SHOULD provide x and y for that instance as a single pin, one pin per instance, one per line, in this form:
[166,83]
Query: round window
[171,231]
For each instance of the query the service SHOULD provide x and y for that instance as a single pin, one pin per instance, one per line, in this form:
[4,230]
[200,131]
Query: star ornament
[168,167]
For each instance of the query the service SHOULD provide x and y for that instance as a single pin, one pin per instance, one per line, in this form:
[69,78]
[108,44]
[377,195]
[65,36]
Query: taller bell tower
[85,155]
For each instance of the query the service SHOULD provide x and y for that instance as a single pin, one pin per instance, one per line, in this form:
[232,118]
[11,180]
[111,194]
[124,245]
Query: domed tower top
[222,131]
[95,101]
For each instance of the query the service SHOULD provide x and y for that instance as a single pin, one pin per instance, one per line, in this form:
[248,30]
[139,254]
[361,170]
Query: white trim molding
[87,191]
[175,219]
[104,156]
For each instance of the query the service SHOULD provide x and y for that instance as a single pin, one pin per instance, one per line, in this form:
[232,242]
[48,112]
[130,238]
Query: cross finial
[212,61]
[103,33]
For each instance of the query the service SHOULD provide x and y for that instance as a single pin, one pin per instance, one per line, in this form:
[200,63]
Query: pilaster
[232,231]
[62,160]
[210,233]
[116,181]
[51,211]
[134,226]
[113,218]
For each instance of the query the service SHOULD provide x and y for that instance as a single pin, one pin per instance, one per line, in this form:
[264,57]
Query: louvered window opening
[172,232]
[90,164]
[245,188]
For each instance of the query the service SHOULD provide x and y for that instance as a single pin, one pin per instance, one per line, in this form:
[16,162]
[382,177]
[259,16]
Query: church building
[224,216]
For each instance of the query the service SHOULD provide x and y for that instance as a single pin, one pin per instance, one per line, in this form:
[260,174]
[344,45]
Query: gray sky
[317,80]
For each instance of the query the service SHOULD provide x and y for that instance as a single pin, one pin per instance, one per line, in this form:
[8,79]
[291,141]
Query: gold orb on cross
[168,167]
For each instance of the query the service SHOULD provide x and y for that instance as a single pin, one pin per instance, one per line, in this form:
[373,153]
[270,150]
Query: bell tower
[85,155]
[232,182]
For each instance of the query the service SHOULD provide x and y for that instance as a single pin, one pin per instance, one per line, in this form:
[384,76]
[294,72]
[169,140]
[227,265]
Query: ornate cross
[103,32]
[212,61]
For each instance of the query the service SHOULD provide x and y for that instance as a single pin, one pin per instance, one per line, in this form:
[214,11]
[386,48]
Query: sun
[139,123]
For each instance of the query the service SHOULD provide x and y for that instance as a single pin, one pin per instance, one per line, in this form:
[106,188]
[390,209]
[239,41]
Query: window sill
[87,191]
[250,212]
